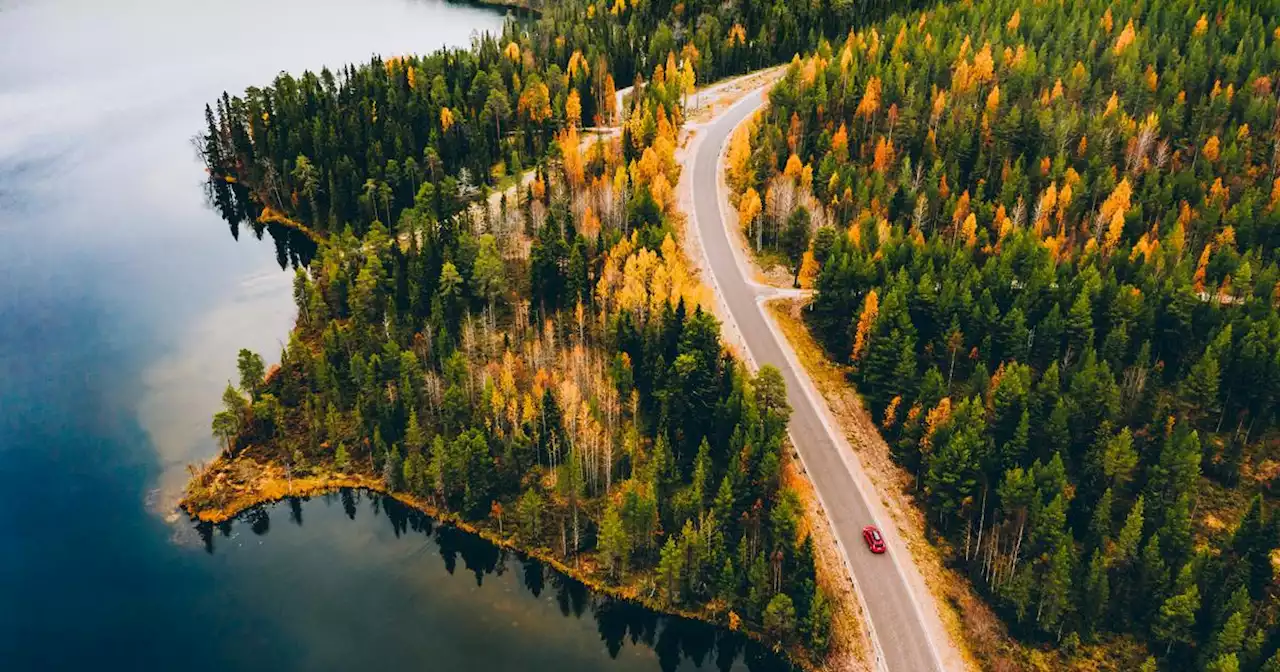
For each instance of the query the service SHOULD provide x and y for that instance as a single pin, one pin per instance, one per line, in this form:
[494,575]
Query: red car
[875,541]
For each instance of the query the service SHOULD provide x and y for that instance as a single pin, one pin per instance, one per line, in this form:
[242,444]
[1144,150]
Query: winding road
[902,629]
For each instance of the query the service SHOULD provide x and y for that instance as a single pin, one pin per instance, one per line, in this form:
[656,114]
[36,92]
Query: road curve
[899,634]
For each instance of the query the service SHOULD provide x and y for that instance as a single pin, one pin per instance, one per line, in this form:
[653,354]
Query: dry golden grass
[272,216]
[715,99]
[849,645]
[232,486]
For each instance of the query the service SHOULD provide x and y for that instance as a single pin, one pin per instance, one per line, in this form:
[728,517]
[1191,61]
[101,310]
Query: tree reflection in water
[233,203]
[675,640]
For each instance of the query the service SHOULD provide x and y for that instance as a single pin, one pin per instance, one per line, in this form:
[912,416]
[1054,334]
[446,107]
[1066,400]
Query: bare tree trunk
[1223,414]
[982,521]
[576,537]
[1017,547]
[993,558]
[968,535]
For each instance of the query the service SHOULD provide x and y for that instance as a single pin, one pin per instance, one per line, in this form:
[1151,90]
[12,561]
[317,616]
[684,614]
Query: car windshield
[875,534]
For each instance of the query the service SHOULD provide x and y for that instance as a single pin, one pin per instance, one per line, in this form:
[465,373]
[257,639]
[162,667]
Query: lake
[123,300]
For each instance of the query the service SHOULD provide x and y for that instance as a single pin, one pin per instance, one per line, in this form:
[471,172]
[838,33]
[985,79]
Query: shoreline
[521,7]
[273,491]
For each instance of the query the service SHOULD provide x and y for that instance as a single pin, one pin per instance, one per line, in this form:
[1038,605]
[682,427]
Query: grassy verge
[714,98]
[771,267]
[849,645]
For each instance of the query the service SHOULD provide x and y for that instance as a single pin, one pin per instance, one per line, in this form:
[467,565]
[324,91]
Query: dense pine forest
[541,365]
[366,143]
[549,371]
[1043,234]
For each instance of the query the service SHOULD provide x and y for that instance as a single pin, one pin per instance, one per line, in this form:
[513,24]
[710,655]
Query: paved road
[898,629]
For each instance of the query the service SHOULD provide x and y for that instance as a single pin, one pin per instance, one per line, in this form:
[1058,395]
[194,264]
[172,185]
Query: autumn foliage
[1055,286]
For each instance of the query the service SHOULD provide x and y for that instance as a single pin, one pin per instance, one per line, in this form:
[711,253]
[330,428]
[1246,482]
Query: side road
[906,631]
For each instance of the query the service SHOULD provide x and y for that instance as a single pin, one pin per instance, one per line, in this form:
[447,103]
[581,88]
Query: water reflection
[673,643]
[233,202]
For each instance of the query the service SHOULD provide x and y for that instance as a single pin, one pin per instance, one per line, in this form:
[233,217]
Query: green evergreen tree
[795,240]
[671,572]
[1056,604]
[393,470]
[252,372]
[1100,525]
[1175,622]
[1126,546]
[615,546]
[1097,590]
[780,618]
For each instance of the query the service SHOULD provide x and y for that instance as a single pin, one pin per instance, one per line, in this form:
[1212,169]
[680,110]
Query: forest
[497,320]
[494,317]
[1043,237]
[369,142]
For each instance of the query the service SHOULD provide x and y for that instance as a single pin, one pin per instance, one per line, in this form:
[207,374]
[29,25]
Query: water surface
[123,299]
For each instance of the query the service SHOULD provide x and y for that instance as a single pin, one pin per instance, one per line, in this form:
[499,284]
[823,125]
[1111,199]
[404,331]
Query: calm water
[122,302]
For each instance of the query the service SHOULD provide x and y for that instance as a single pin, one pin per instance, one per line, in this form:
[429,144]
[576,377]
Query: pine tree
[723,505]
[802,581]
[950,477]
[727,584]
[1228,640]
[529,514]
[816,626]
[1176,471]
[1252,544]
[252,372]
[795,240]
[1153,580]
[1056,603]
[615,546]
[1079,324]
[671,571]
[393,470]
[1175,622]
[1118,459]
[1200,388]
[1097,590]
[701,475]
[1100,525]
[1224,663]
[1057,431]
[780,618]
[1175,533]
[415,475]
[759,590]
[1126,546]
